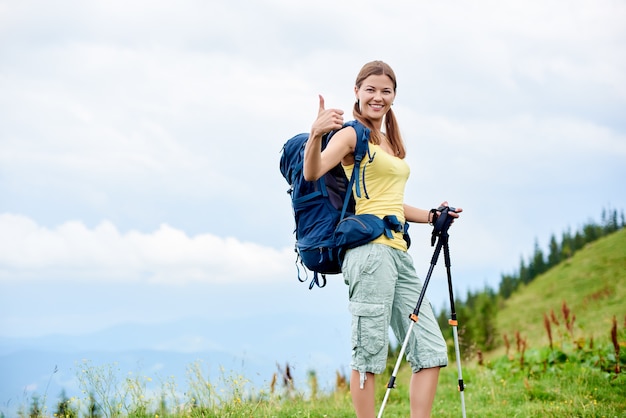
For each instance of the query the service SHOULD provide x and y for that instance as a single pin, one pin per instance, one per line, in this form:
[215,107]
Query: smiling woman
[382,282]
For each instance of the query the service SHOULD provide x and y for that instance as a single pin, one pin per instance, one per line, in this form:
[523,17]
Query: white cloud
[167,255]
[501,151]
[169,102]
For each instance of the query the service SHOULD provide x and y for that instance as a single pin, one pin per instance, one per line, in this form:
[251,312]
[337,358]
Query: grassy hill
[592,284]
[566,381]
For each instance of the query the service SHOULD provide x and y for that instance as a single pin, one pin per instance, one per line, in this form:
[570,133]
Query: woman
[383,285]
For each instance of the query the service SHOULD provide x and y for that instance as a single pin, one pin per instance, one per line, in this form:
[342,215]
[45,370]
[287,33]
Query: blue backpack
[320,205]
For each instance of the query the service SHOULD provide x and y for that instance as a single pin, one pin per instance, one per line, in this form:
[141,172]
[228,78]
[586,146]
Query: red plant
[546,324]
[569,322]
[555,321]
[615,344]
[521,346]
[507,344]
[523,350]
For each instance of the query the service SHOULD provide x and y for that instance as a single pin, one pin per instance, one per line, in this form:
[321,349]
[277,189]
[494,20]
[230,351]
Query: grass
[530,381]
[564,356]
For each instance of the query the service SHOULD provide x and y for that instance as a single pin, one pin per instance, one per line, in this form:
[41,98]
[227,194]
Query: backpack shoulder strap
[360,149]
[362,139]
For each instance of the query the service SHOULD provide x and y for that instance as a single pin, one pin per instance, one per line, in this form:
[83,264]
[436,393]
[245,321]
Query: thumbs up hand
[327,119]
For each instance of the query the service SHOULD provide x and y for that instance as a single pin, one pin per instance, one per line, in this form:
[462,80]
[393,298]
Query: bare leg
[422,392]
[363,399]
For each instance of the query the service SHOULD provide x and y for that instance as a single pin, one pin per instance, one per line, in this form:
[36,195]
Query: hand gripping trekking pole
[440,231]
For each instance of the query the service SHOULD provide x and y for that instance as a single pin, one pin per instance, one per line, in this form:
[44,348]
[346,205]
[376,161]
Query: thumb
[321,104]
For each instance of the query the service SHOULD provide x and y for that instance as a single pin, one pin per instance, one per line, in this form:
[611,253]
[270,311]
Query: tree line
[479,309]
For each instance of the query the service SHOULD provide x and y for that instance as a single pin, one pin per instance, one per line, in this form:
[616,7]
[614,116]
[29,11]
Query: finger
[456,212]
[321,104]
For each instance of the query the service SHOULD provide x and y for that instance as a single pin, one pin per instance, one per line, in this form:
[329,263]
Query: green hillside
[592,284]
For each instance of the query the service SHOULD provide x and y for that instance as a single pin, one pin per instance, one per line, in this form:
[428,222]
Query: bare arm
[316,162]
[417,215]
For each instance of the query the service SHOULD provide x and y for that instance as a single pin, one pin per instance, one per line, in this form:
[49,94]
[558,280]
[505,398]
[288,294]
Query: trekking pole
[440,230]
[454,323]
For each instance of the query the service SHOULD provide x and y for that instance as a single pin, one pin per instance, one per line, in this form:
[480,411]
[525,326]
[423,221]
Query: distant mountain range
[251,348]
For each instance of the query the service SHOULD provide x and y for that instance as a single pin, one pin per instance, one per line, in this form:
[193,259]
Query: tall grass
[572,376]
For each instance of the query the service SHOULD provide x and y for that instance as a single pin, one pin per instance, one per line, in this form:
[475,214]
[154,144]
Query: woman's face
[375,96]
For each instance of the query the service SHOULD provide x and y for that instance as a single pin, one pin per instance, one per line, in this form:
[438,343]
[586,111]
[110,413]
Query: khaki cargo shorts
[383,292]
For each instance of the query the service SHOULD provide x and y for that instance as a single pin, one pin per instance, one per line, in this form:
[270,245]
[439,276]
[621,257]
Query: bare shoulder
[344,139]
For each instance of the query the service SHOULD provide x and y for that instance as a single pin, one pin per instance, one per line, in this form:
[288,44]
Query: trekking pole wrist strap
[432,217]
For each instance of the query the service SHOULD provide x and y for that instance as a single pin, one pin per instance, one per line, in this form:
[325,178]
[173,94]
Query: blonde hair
[392,130]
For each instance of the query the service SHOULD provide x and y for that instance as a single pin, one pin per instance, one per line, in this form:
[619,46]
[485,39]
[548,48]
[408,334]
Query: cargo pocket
[368,326]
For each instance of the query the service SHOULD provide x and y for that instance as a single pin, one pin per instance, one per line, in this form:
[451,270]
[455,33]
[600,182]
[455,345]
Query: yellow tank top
[385,180]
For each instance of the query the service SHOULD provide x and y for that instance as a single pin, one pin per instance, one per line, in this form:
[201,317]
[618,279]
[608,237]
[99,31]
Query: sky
[140,142]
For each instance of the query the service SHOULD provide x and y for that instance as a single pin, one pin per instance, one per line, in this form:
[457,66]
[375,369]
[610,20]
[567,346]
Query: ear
[356,93]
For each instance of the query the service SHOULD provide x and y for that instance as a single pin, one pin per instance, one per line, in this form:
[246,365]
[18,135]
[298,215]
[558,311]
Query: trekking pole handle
[441,223]
[448,208]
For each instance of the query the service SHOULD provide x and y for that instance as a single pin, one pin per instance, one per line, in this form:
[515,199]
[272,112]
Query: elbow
[309,176]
